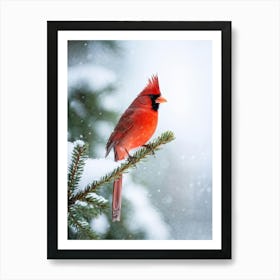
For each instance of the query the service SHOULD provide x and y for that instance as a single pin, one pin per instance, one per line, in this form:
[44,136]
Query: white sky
[185,74]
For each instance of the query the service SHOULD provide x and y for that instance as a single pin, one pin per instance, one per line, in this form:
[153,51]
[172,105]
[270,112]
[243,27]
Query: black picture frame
[53,27]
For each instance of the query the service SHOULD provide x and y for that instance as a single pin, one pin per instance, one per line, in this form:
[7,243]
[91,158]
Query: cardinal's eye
[154,96]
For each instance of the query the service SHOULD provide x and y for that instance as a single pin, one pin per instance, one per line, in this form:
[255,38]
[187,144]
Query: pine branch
[88,211]
[76,167]
[81,226]
[139,155]
[82,212]
[96,201]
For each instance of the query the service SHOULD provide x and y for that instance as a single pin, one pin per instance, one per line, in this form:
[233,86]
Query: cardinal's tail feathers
[117,200]
[120,154]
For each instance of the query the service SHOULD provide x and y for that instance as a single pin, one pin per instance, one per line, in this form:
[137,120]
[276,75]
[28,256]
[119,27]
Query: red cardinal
[135,127]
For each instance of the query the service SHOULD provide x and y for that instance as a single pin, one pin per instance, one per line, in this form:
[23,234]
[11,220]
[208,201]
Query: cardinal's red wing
[124,125]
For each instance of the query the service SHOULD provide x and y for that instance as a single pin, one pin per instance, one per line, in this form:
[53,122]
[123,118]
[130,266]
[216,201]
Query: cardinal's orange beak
[161,100]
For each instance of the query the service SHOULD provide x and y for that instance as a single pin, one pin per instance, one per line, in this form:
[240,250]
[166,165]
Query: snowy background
[169,196]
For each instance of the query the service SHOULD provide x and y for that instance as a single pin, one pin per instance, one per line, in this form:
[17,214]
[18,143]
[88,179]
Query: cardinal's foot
[131,159]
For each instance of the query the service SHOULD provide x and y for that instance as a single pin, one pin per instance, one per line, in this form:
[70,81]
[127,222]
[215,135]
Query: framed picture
[139,140]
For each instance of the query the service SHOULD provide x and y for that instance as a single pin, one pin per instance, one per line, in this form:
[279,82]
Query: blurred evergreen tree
[86,111]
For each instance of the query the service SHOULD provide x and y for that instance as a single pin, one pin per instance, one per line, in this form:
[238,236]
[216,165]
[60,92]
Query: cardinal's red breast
[142,121]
